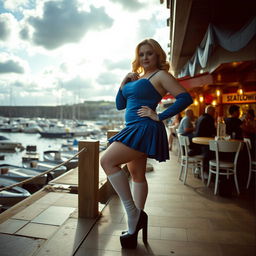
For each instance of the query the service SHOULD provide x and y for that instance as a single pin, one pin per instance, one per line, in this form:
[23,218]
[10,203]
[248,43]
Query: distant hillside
[89,110]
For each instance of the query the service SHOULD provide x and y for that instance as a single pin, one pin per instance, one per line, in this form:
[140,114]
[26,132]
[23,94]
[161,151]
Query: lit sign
[239,98]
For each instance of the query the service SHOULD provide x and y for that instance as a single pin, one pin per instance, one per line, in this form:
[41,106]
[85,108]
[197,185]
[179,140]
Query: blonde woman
[144,134]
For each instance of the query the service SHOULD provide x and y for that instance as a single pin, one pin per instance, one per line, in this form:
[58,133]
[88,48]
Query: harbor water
[27,139]
[42,144]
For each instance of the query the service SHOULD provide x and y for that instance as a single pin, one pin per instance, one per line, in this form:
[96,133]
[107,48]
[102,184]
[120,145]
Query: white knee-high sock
[140,192]
[120,183]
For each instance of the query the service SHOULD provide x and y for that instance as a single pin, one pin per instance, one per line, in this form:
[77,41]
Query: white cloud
[131,5]
[148,27]
[4,30]
[76,84]
[15,4]
[62,51]
[12,64]
[117,64]
[107,78]
[62,22]
[8,30]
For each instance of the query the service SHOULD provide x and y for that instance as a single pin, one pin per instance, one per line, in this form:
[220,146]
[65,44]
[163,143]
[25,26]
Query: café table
[205,140]
[202,140]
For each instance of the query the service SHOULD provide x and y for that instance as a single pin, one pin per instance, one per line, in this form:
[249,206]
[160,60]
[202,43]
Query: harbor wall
[85,111]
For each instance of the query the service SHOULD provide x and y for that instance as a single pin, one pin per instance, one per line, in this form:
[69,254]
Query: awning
[196,81]
[229,40]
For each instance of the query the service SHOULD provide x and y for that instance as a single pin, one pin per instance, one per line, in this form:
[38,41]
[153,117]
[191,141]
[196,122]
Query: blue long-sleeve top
[140,93]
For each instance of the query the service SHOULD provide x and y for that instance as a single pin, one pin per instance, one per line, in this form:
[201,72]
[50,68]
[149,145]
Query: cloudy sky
[67,51]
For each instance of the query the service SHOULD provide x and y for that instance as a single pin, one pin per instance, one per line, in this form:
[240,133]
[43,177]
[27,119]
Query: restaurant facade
[213,52]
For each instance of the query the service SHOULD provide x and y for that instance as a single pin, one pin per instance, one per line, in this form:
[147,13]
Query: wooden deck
[183,220]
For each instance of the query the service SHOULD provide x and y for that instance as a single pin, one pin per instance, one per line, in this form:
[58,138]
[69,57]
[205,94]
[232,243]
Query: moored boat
[7,144]
[43,166]
[11,196]
[30,154]
[57,156]
[19,173]
[31,128]
[56,133]
[6,128]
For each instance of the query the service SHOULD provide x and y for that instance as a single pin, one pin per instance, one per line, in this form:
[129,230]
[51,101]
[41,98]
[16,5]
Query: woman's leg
[137,169]
[117,154]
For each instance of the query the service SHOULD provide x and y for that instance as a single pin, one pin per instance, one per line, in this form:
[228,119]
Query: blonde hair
[161,64]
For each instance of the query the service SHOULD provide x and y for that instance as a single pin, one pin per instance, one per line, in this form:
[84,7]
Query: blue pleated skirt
[146,136]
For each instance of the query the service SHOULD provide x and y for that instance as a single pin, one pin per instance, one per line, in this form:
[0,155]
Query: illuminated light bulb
[201,99]
[195,102]
[214,103]
[218,92]
[240,91]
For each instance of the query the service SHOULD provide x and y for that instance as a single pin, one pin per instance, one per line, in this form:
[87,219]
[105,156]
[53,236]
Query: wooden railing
[21,183]
[90,192]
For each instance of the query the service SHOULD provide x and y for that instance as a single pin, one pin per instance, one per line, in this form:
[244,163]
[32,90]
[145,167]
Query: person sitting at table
[233,123]
[186,126]
[174,125]
[205,127]
[249,129]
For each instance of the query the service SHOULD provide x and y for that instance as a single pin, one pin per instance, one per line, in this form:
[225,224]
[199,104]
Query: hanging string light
[240,91]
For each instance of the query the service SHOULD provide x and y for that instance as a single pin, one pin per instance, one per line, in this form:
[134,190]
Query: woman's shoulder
[166,76]
[164,73]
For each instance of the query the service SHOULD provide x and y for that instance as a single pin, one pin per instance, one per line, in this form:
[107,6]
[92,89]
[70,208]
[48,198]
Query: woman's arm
[183,98]
[120,99]
[167,83]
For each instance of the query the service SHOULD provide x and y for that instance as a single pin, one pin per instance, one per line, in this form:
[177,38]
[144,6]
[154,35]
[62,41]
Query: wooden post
[111,133]
[88,179]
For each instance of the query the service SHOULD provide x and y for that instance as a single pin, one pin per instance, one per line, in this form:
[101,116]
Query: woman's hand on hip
[145,111]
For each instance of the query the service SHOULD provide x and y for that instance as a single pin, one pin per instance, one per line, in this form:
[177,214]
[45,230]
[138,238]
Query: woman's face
[147,57]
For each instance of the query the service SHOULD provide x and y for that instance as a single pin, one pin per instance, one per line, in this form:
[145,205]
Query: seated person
[233,123]
[249,129]
[186,127]
[205,127]
[249,124]
[174,125]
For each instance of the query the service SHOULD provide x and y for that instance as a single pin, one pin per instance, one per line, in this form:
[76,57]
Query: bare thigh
[116,154]
[137,169]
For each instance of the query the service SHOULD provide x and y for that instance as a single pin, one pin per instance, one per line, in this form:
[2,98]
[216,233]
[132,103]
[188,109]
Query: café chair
[187,161]
[224,167]
[178,148]
[252,162]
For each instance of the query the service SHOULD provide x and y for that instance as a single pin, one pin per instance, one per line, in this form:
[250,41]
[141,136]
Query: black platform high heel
[129,241]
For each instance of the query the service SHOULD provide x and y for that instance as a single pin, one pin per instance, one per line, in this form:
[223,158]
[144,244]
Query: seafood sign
[239,98]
